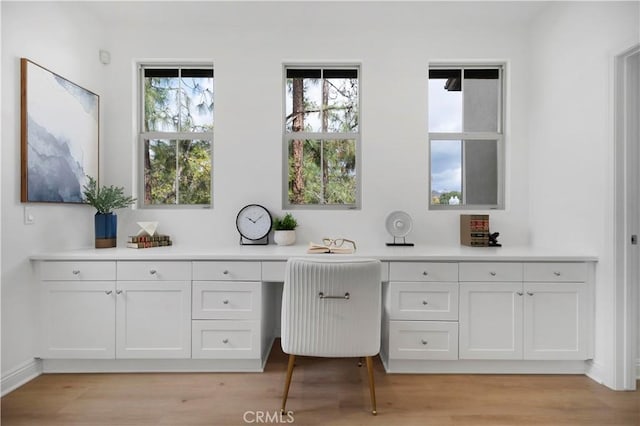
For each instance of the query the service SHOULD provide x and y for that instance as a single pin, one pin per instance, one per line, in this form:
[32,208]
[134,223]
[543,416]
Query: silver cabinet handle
[225,272]
[322,296]
[225,302]
[556,273]
[424,302]
[225,341]
[424,342]
[519,293]
[75,272]
[107,292]
[493,274]
[118,291]
[529,293]
[153,272]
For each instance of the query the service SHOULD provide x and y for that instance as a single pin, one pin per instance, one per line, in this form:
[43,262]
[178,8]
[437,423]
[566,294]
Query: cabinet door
[556,324]
[153,319]
[78,320]
[491,320]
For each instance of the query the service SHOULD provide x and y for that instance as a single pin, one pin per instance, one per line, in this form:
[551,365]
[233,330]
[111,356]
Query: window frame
[468,137]
[144,136]
[287,137]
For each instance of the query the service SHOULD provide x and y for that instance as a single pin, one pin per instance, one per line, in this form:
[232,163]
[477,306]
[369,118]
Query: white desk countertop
[281,253]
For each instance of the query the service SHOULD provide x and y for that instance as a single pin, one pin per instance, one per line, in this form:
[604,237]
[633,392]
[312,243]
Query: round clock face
[253,222]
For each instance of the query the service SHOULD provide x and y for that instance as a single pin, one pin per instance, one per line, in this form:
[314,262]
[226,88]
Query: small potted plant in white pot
[105,200]
[284,227]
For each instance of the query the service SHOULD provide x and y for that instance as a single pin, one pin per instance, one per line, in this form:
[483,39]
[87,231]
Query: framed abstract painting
[59,136]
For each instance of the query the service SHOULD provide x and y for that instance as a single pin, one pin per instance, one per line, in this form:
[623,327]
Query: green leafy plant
[107,198]
[286,223]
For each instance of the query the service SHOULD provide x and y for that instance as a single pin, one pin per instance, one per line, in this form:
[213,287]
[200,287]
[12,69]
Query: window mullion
[322,177]
[178,172]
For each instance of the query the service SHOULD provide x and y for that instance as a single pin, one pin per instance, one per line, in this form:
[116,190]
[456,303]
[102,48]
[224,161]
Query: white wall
[571,140]
[248,44]
[63,39]
[558,105]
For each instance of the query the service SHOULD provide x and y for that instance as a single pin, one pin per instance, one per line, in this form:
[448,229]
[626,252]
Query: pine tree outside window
[176,135]
[321,137]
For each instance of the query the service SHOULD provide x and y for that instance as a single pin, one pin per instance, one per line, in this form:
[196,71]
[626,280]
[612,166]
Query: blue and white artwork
[61,141]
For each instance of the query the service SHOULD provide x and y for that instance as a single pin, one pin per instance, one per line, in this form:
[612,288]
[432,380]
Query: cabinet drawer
[78,271]
[226,300]
[423,271]
[227,271]
[423,301]
[487,271]
[559,272]
[157,271]
[423,340]
[225,339]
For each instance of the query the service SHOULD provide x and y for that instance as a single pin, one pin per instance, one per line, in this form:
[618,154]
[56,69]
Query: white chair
[331,308]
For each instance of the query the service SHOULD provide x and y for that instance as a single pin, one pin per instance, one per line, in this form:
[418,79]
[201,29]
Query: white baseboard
[20,375]
[597,373]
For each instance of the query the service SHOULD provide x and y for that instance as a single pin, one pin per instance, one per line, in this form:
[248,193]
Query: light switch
[29,217]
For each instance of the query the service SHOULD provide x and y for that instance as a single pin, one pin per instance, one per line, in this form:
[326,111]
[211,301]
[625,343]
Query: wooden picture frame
[59,136]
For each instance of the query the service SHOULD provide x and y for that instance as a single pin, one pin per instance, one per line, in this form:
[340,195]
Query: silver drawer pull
[519,293]
[322,296]
[425,273]
[107,292]
[225,302]
[153,272]
[75,272]
[225,341]
[225,272]
[556,273]
[424,342]
[493,274]
[529,293]
[118,291]
[424,302]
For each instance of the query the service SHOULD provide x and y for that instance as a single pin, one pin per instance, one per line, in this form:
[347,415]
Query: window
[466,137]
[176,135]
[321,137]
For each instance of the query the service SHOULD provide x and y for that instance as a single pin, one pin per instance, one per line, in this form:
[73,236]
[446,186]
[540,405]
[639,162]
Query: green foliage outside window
[322,170]
[178,166]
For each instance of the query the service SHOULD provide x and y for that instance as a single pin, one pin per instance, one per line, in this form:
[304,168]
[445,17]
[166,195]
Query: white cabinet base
[410,366]
[153,365]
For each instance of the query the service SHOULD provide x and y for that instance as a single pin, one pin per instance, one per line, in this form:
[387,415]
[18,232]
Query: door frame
[626,218]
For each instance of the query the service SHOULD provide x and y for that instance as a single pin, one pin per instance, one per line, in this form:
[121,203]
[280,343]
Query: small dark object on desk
[493,240]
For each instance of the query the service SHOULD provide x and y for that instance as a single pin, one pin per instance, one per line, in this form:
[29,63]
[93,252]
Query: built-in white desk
[446,309]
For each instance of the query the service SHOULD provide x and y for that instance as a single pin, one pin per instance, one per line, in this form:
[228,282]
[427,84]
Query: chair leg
[292,359]
[372,385]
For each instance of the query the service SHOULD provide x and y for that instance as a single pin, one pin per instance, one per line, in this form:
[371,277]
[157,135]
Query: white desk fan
[399,224]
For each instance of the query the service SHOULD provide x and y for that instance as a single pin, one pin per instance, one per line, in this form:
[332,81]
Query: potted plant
[105,200]
[284,227]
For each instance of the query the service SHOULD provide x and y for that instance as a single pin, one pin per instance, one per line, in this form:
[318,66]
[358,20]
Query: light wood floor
[323,392]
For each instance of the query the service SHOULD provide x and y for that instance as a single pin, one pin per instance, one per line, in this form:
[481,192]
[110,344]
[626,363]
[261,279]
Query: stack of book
[148,241]
[474,230]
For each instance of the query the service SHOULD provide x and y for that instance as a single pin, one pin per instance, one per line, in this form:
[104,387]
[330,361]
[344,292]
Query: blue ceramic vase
[106,227]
